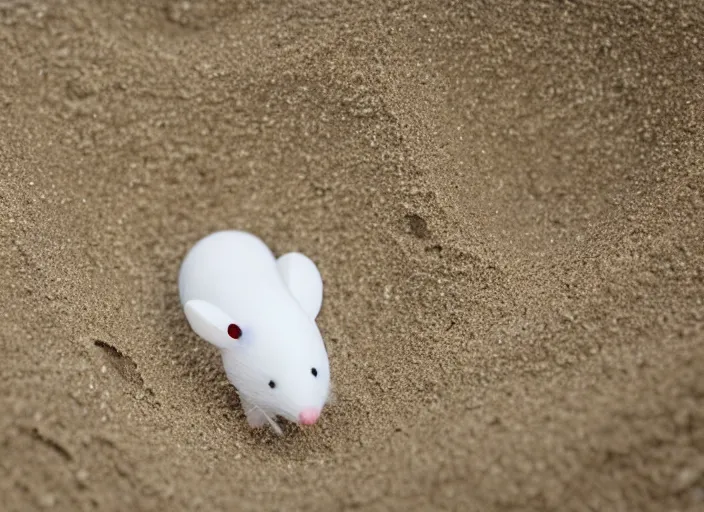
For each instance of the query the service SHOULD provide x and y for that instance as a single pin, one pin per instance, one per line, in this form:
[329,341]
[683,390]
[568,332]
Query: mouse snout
[308,416]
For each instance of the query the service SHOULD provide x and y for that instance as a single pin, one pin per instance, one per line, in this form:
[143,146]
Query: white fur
[232,277]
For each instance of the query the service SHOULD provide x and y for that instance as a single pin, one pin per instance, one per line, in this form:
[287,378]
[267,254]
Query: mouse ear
[303,280]
[211,323]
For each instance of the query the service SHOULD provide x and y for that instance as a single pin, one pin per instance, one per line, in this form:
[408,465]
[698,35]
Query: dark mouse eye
[314,372]
[272,384]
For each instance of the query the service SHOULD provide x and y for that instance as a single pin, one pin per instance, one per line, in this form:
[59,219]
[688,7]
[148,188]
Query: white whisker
[273,424]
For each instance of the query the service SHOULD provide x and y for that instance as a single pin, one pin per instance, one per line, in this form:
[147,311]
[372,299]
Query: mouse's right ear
[211,323]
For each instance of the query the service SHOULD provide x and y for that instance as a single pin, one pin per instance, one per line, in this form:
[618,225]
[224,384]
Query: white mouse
[260,312]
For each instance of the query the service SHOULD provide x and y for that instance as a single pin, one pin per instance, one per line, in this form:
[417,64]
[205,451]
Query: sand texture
[505,200]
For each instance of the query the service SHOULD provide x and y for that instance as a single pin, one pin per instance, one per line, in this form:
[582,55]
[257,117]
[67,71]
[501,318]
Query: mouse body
[260,312]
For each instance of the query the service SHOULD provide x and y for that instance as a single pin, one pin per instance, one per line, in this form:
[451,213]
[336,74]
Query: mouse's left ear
[212,324]
[303,280]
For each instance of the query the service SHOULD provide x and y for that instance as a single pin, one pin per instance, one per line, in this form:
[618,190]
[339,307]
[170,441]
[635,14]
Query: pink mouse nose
[308,416]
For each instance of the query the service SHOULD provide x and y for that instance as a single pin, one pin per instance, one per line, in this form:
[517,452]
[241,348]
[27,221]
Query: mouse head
[280,366]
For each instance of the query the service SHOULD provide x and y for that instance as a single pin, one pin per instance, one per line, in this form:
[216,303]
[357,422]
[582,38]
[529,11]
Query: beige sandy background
[506,202]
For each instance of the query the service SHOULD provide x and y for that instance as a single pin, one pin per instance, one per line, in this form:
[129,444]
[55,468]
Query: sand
[505,200]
